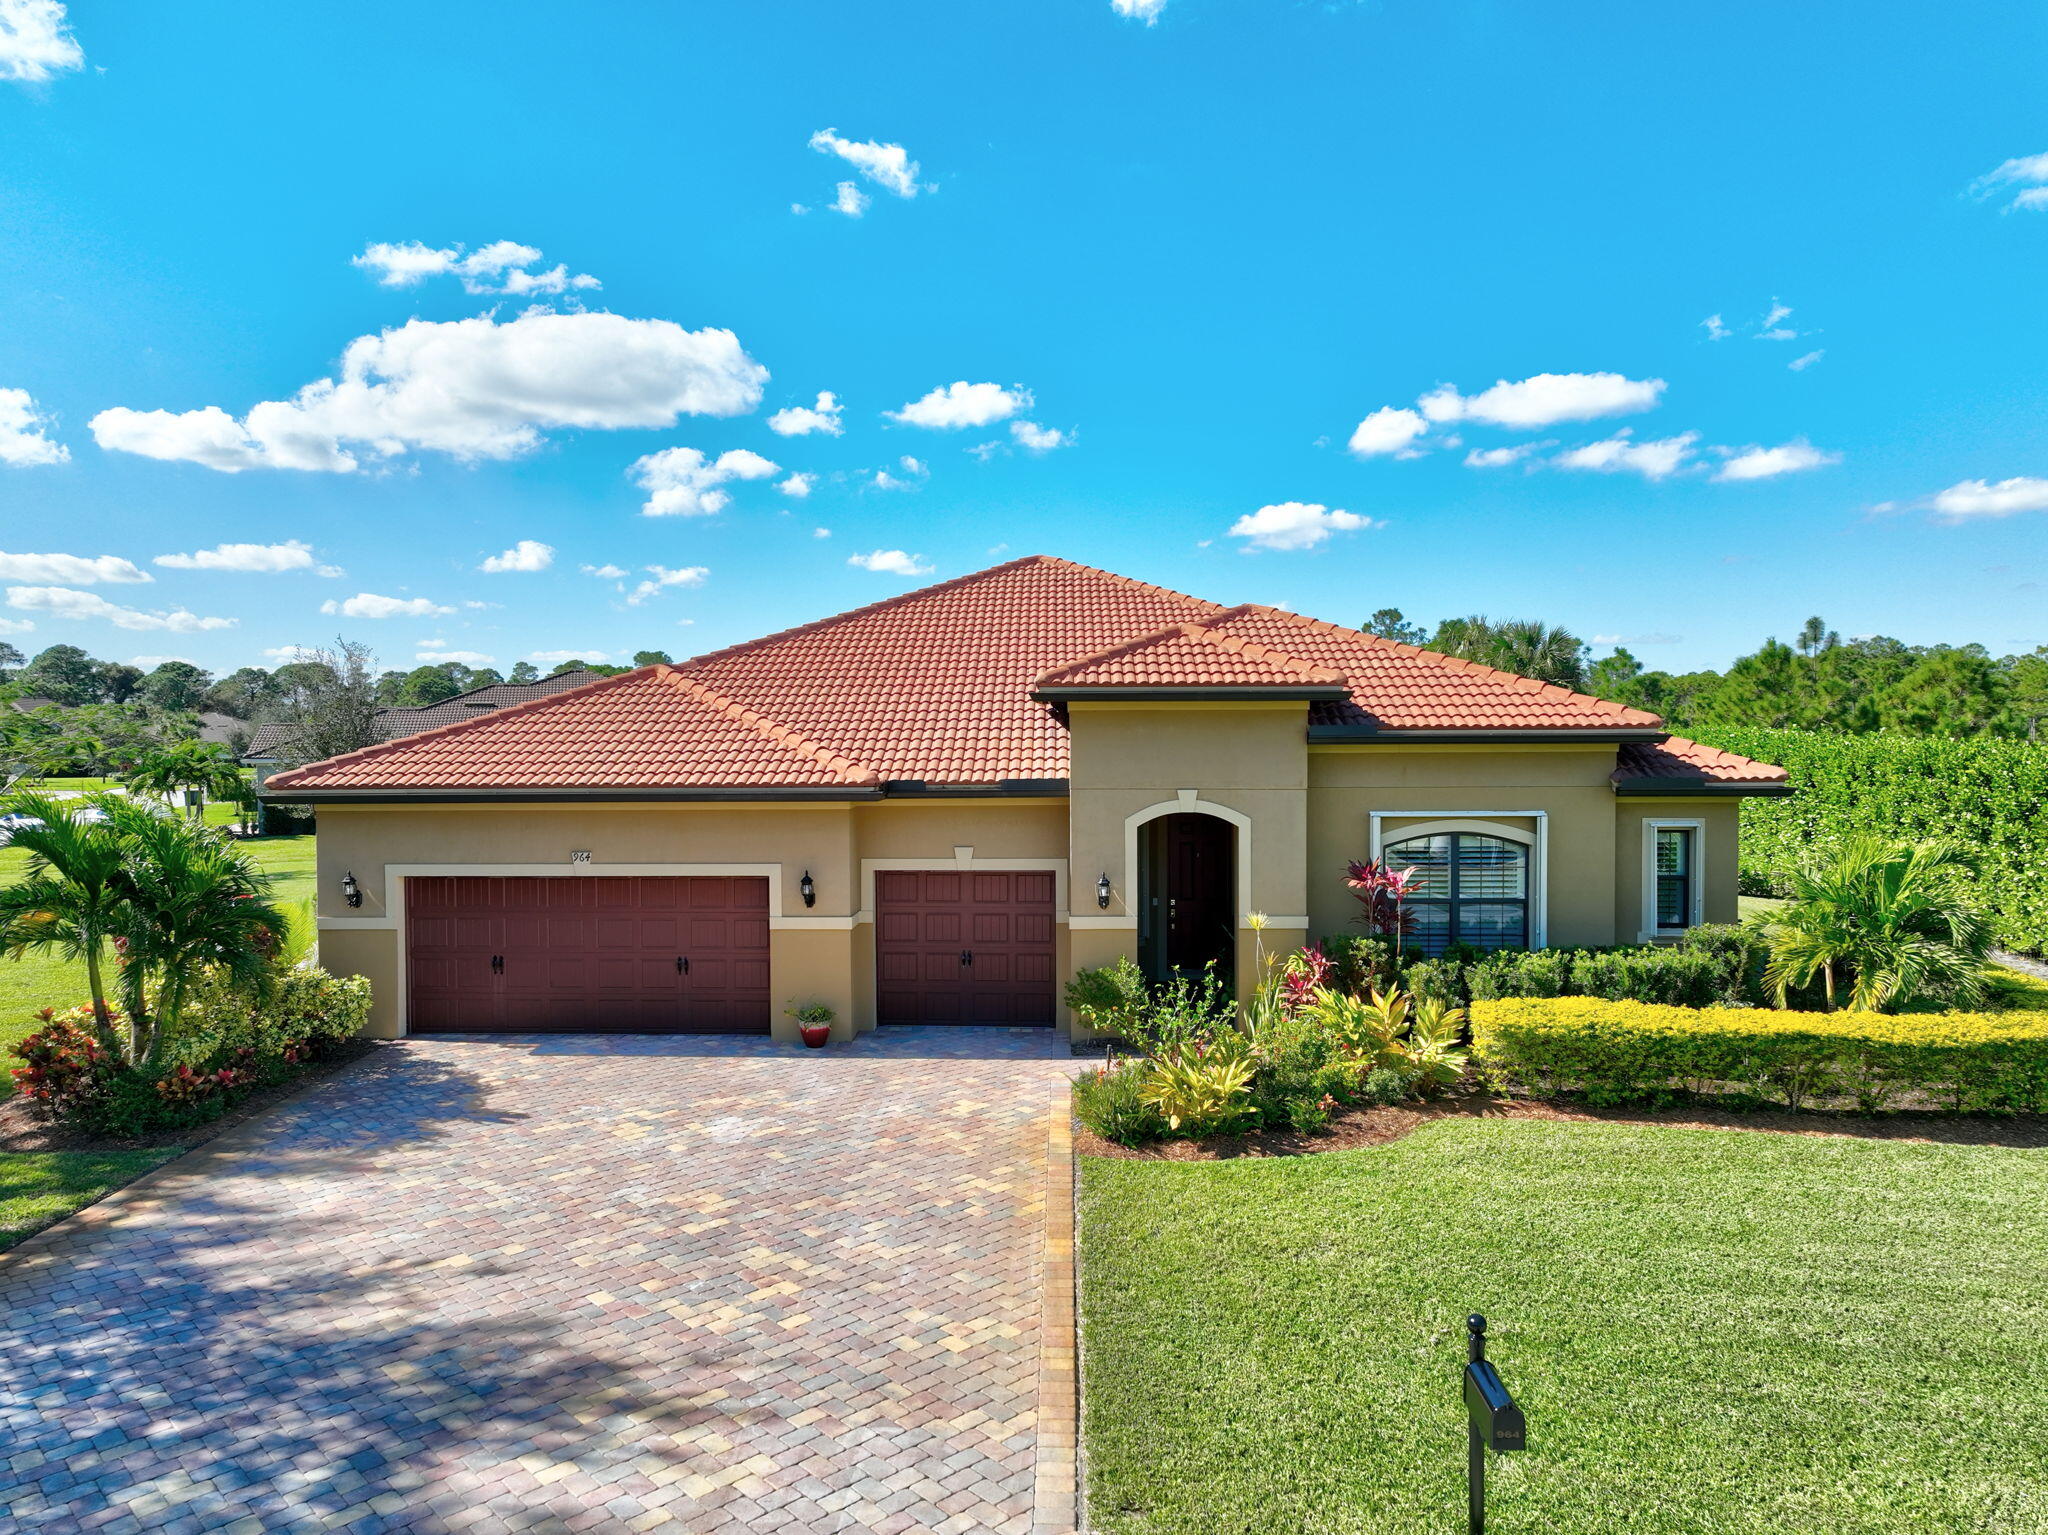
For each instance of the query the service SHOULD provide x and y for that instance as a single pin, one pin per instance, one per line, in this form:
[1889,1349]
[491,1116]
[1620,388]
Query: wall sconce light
[351,892]
[809,888]
[1102,890]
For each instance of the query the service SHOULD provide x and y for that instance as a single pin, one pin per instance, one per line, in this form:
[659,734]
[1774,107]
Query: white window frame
[1484,823]
[1696,895]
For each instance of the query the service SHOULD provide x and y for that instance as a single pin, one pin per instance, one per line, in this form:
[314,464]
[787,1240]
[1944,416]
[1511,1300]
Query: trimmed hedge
[1639,1052]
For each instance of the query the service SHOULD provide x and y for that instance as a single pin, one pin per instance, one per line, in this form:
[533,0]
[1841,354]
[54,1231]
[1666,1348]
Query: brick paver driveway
[560,1284]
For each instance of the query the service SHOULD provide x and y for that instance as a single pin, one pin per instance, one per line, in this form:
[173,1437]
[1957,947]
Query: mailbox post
[1492,1421]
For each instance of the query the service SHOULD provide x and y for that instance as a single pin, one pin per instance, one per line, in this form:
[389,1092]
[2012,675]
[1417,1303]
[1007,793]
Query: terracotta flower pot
[815,1034]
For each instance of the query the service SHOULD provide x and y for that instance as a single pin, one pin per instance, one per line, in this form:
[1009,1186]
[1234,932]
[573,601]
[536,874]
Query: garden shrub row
[1612,1053]
[1982,792]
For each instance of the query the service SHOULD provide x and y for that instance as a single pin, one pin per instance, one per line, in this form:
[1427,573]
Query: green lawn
[1711,1331]
[39,1187]
[35,981]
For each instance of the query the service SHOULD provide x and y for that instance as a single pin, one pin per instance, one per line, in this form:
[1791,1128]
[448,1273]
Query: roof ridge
[770,728]
[1438,658]
[379,748]
[1200,631]
[831,620]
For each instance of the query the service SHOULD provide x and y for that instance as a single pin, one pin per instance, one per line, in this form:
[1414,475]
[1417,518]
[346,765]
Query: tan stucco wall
[1719,849]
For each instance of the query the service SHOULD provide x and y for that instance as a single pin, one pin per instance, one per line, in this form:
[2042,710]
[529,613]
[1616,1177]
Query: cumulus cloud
[260,559]
[607,572]
[504,266]
[960,403]
[70,569]
[1545,399]
[1033,438]
[16,626]
[821,532]
[1755,463]
[25,439]
[1981,498]
[849,200]
[660,578]
[1802,363]
[1390,429]
[557,657]
[802,420]
[914,470]
[1294,525]
[434,655]
[370,605]
[474,388]
[891,562]
[682,482]
[1501,458]
[2028,172]
[1621,454]
[798,485]
[63,602]
[526,555]
[887,165]
[1715,330]
[1146,11]
[36,40]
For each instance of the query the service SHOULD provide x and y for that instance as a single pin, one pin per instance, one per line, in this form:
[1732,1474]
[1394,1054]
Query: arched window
[1468,889]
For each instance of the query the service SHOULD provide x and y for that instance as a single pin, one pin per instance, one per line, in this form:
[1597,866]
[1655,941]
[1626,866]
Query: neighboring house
[937,808]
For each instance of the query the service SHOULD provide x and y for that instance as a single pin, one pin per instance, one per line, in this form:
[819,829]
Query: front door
[1190,897]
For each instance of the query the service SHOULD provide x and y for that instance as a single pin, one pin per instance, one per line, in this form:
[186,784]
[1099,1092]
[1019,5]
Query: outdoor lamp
[1102,889]
[809,887]
[351,892]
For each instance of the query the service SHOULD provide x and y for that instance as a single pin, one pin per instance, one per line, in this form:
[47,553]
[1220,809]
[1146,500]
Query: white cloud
[886,165]
[1500,458]
[1715,330]
[62,602]
[961,404]
[798,485]
[149,662]
[16,626]
[557,657]
[913,468]
[1801,364]
[471,388]
[1544,399]
[849,200]
[36,40]
[1146,11]
[1979,498]
[1619,454]
[71,569]
[802,420]
[607,572]
[25,440]
[1295,525]
[1033,438]
[282,653]
[436,656]
[1755,463]
[260,559]
[821,532]
[891,562]
[1653,638]
[682,482]
[526,555]
[661,578]
[370,605]
[2029,171]
[503,266]
[1387,430]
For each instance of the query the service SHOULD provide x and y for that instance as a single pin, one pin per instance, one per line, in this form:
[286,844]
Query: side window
[1468,889]
[1676,867]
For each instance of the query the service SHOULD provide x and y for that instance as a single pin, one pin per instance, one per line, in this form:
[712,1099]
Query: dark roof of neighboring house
[24,705]
[395,724]
[220,729]
[938,686]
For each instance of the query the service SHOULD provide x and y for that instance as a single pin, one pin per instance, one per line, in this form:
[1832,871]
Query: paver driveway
[560,1284]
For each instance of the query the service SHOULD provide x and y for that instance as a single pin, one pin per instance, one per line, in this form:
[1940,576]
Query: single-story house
[937,808]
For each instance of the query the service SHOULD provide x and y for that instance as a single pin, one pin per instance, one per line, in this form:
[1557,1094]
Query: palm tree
[1524,646]
[1890,918]
[192,903]
[74,897]
[198,765]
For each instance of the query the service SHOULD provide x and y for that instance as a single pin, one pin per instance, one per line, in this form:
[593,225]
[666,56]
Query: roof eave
[285,794]
[1307,692]
[1699,788]
[1591,735]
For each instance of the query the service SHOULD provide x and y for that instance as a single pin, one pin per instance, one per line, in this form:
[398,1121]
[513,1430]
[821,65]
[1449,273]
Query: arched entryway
[1187,897]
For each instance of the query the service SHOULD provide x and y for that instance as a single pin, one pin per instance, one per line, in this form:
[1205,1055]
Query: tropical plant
[1523,646]
[1380,891]
[1200,1088]
[1890,919]
[196,766]
[73,899]
[1107,998]
[1430,1053]
[1110,1100]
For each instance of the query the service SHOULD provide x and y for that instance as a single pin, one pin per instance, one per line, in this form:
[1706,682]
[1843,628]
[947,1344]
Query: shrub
[1110,1101]
[64,1070]
[1202,1089]
[1106,998]
[1634,1052]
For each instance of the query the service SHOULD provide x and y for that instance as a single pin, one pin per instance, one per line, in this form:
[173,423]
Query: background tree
[575,665]
[523,671]
[243,692]
[337,708]
[176,685]
[1391,624]
[10,659]
[199,767]
[116,682]
[63,673]
[1523,646]
[425,685]
[652,658]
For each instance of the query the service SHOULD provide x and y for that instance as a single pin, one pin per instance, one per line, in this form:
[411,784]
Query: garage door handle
[682,965]
[497,964]
[967,956]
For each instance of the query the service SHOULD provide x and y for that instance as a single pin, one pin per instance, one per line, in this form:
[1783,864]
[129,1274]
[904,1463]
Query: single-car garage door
[963,946]
[587,954]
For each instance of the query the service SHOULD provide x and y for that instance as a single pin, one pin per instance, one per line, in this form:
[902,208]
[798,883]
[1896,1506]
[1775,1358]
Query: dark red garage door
[587,954]
[956,946]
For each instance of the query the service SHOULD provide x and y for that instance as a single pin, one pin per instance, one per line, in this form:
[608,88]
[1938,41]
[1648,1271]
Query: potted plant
[813,1022]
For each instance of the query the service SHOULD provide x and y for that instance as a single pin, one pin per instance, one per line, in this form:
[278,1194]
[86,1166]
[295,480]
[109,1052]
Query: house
[938,807]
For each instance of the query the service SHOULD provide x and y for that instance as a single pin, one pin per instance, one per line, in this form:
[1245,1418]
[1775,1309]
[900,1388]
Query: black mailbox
[1494,1416]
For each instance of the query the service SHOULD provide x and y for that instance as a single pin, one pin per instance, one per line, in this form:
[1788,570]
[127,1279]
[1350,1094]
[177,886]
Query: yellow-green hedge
[1642,1052]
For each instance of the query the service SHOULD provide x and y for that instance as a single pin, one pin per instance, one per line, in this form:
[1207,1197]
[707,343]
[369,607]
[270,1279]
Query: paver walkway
[559,1284]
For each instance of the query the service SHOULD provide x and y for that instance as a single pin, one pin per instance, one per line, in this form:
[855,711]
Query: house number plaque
[580,855]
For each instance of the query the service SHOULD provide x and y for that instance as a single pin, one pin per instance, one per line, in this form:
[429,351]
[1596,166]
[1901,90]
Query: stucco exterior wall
[1718,847]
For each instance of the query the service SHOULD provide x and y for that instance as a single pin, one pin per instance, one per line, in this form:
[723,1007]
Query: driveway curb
[1055,1494]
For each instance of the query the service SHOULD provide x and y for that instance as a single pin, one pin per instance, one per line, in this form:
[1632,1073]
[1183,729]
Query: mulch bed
[1353,1128]
[23,1129]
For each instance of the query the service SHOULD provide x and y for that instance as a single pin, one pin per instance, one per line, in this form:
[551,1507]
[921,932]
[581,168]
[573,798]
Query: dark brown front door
[1192,891]
[964,946]
[587,955]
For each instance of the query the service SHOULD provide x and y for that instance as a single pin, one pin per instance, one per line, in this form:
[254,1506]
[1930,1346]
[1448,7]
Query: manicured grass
[39,1187]
[1710,1331]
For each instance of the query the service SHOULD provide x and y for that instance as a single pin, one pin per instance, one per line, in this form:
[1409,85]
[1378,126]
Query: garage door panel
[924,920]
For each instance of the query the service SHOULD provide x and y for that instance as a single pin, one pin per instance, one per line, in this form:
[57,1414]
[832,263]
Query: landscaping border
[1056,1494]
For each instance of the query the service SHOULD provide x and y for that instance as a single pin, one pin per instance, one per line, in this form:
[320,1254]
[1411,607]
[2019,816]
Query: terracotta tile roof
[1678,759]
[1190,655]
[936,685]
[653,728]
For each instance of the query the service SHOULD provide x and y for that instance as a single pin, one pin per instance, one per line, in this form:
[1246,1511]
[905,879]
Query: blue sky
[1175,254]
